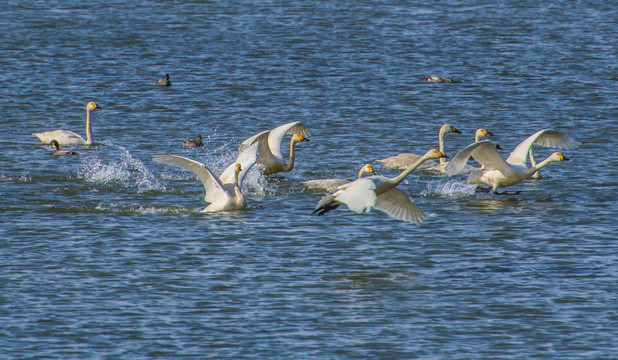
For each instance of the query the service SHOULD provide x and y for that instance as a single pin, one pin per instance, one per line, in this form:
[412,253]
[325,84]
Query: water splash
[24,177]
[451,188]
[122,168]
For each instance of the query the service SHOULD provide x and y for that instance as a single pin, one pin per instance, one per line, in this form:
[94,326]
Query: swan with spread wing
[269,158]
[222,192]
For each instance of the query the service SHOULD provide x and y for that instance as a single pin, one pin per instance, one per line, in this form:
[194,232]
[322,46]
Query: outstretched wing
[249,141]
[277,134]
[246,158]
[546,138]
[212,184]
[397,204]
[359,195]
[483,152]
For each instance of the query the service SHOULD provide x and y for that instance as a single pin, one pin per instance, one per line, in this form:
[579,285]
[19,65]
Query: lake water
[105,255]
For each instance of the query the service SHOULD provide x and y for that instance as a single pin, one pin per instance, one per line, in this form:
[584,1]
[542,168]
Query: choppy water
[106,255]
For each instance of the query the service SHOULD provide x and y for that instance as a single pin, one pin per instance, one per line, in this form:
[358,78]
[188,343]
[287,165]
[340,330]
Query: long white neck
[290,164]
[477,137]
[399,178]
[88,127]
[540,165]
[441,144]
[533,163]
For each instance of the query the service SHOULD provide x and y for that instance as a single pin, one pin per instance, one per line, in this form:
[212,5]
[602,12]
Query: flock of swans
[369,191]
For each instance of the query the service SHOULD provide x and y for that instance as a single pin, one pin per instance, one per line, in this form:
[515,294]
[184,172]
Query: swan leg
[510,192]
[480,189]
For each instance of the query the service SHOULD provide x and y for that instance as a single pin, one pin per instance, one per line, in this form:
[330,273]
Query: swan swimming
[269,158]
[222,192]
[378,192]
[165,81]
[196,143]
[404,160]
[499,173]
[66,137]
[331,185]
[56,149]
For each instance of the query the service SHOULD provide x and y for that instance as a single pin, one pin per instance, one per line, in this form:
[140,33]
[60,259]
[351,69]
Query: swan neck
[477,137]
[441,146]
[399,178]
[290,164]
[88,128]
[540,165]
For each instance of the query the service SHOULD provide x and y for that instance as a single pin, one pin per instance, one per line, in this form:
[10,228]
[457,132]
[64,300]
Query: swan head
[238,168]
[298,138]
[435,154]
[54,143]
[367,169]
[483,132]
[92,106]
[558,157]
[447,128]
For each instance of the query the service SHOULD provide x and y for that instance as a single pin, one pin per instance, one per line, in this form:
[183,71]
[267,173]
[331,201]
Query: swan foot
[480,189]
[506,192]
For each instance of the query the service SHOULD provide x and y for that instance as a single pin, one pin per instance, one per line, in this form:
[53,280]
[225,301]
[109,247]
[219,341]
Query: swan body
[269,158]
[66,137]
[222,192]
[196,143]
[378,192]
[404,160]
[56,149]
[331,185]
[165,81]
[499,173]
[438,79]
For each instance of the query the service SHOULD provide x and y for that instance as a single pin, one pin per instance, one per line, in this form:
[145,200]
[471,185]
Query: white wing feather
[359,195]
[397,204]
[246,158]
[212,185]
[546,138]
[483,152]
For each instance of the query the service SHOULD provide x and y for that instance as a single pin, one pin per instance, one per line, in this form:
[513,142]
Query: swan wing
[483,152]
[277,134]
[212,185]
[546,138]
[249,141]
[246,158]
[64,137]
[398,204]
[325,184]
[359,195]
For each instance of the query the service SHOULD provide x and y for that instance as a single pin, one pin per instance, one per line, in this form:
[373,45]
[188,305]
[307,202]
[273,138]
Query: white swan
[165,81]
[331,185]
[269,158]
[499,173]
[378,192]
[66,137]
[549,138]
[56,149]
[404,160]
[222,192]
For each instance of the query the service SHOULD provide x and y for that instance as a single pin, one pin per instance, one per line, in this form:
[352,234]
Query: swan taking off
[499,173]
[196,143]
[165,81]
[66,137]
[331,185]
[56,149]
[378,192]
[404,160]
[269,158]
[222,192]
